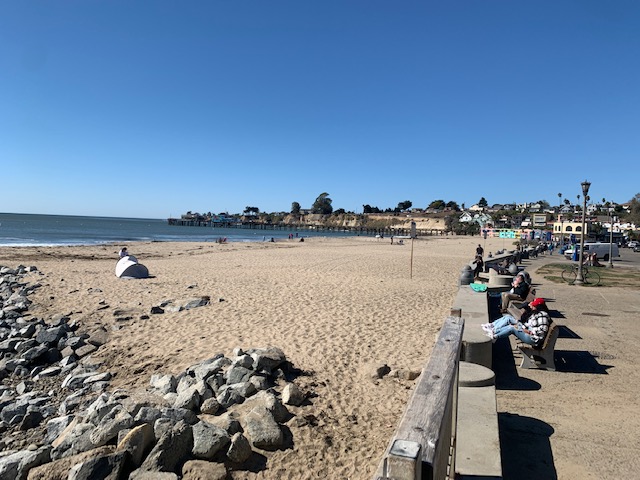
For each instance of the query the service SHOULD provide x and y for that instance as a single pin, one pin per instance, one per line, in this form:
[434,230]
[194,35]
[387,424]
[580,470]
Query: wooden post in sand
[413,237]
[411,266]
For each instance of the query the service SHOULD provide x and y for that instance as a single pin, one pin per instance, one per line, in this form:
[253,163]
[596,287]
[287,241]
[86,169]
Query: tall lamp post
[610,264]
[585,190]
[559,218]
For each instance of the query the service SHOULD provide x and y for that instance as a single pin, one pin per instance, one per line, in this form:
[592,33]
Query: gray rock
[73,441]
[12,410]
[56,426]
[24,387]
[267,359]
[188,398]
[208,440]
[9,345]
[74,401]
[173,448]
[17,465]
[49,372]
[196,302]
[103,466]
[261,382]
[228,421]
[204,370]
[239,449]
[31,419]
[27,331]
[178,414]
[59,469]
[26,345]
[210,406]
[147,415]
[99,408]
[185,381]
[164,383]
[35,352]
[245,389]
[263,430]
[215,382]
[98,377]
[245,361]
[85,350]
[51,336]
[292,395]
[114,421]
[273,404]
[98,337]
[227,397]
[68,361]
[74,381]
[237,374]
[161,426]
[201,469]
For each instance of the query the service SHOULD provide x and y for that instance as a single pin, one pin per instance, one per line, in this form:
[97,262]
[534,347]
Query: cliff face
[368,221]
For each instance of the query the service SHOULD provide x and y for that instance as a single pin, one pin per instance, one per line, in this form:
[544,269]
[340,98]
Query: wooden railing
[423,446]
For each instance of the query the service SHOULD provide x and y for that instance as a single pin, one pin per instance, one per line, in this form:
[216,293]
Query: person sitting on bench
[519,291]
[531,329]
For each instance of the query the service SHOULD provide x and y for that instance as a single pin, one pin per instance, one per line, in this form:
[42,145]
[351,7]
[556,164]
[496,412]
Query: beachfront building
[570,230]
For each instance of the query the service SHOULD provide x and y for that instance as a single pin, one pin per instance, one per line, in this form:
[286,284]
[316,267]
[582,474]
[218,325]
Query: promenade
[581,421]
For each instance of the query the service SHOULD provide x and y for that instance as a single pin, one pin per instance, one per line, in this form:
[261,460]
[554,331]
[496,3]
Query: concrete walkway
[580,422]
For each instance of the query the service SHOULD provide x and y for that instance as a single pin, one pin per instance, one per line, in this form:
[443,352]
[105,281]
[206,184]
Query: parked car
[632,244]
[637,247]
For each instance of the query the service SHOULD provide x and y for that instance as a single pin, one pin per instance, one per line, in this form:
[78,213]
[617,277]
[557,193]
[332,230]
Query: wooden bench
[542,357]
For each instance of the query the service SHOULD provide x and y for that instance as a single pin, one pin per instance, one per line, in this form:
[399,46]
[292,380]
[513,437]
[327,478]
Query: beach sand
[338,308]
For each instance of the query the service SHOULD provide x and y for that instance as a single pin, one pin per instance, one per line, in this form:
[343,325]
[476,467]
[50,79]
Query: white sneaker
[487,327]
[492,336]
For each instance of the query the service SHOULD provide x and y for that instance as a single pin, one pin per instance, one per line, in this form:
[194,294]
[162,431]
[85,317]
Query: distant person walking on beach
[479,250]
[123,252]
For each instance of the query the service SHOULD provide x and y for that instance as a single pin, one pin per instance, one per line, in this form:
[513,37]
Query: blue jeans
[507,325]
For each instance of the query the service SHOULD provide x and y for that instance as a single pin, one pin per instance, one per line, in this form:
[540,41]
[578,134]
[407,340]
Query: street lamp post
[560,218]
[610,264]
[585,190]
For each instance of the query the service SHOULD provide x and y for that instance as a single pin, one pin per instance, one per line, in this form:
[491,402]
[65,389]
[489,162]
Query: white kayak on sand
[128,267]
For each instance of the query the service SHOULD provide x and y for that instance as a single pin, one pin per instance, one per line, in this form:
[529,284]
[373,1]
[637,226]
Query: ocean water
[51,230]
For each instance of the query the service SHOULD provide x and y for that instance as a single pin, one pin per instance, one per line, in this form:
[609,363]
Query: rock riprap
[60,420]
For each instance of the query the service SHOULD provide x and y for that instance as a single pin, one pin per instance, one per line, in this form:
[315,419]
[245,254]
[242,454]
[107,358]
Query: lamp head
[585,187]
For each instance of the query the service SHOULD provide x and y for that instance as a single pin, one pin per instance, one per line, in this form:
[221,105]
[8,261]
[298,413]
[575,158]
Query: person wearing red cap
[531,329]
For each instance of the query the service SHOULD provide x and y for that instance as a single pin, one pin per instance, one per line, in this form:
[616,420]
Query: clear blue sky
[153,108]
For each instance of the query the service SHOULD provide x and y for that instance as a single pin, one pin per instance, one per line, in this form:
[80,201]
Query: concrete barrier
[476,346]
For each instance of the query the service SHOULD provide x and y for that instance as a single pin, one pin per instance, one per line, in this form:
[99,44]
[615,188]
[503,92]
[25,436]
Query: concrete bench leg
[545,358]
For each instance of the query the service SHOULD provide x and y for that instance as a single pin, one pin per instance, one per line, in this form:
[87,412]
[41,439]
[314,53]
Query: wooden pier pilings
[385,231]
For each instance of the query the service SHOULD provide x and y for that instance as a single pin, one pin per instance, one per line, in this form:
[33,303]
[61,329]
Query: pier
[252,225]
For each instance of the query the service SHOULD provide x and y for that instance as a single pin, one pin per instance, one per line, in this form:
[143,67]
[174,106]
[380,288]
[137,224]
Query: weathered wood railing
[423,446]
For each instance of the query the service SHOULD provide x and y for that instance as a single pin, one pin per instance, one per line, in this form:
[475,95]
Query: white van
[601,250]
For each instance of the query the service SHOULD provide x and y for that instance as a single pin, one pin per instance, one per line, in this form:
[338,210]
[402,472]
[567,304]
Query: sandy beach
[336,307]
[339,308]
